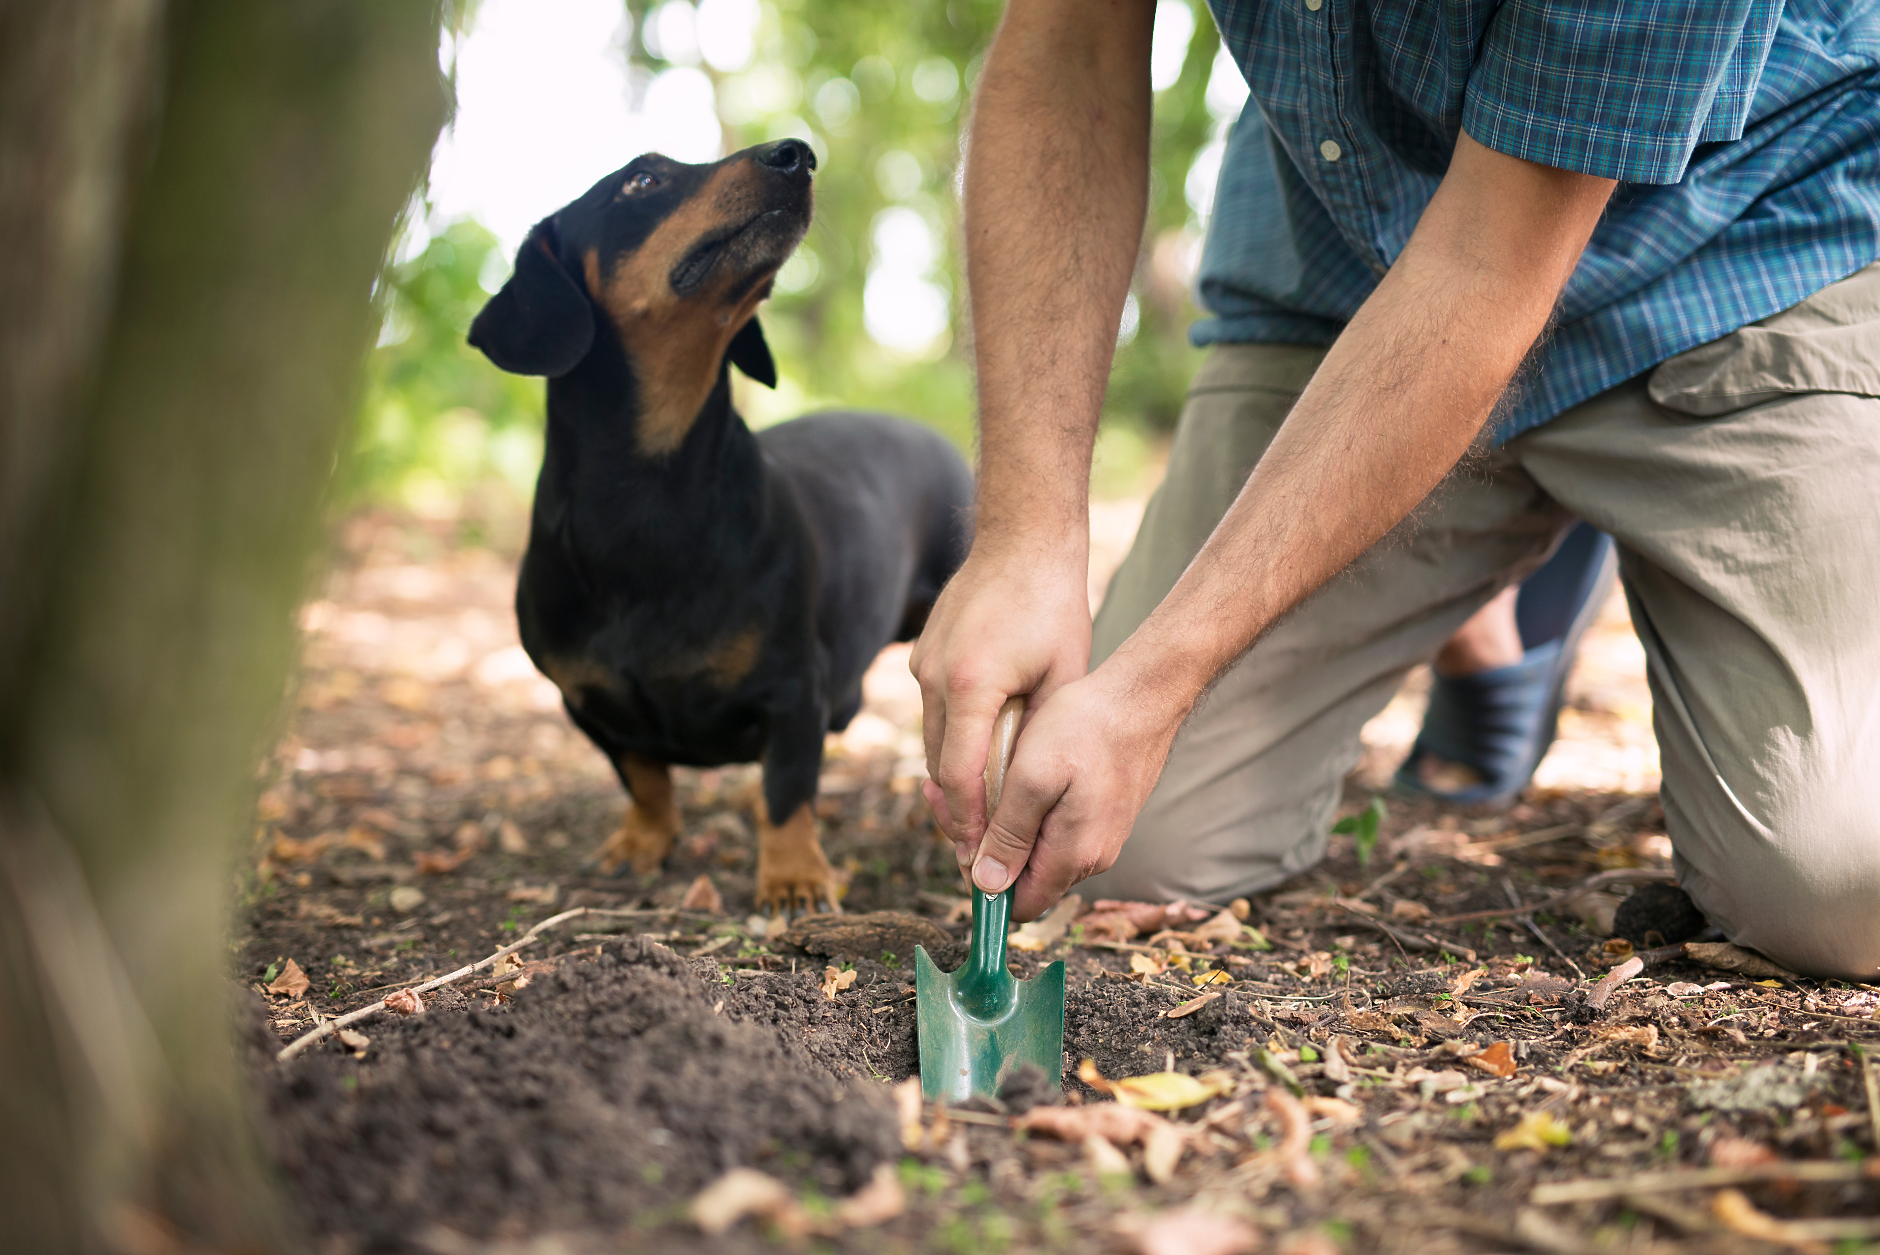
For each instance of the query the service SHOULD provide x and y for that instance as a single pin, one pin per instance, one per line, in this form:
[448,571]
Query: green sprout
[1362,829]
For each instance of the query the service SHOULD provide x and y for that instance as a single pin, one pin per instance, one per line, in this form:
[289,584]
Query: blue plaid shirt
[1745,135]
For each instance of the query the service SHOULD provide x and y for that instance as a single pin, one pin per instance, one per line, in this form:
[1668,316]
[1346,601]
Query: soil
[429,803]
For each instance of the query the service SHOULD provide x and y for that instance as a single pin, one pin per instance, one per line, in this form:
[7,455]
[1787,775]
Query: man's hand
[1002,627]
[1398,400]
[1056,188]
[1084,765]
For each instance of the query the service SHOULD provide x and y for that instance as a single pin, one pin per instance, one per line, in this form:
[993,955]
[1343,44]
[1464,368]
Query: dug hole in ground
[1395,1053]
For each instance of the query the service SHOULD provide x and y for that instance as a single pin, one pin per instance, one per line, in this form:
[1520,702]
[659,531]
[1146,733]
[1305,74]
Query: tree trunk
[174,384]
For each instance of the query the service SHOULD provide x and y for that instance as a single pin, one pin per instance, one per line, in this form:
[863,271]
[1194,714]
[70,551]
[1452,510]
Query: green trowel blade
[979,1024]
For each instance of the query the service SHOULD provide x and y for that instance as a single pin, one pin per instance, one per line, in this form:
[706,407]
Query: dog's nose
[787,156]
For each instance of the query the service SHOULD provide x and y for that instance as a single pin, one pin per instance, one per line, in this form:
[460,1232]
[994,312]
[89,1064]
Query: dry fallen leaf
[1496,1060]
[703,895]
[1436,1082]
[406,898]
[739,1193]
[292,981]
[1048,927]
[1641,1036]
[1104,1159]
[1337,1110]
[1147,964]
[1739,1152]
[1111,1121]
[1410,912]
[1157,1091]
[510,840]
[907,1106]
[1729,958]
[1108,926]
[1739,1215]
[1336,1069]
[1537,1131]
[1217,976]
[1191,1231]
[1150,917]
[835,980]
[406,693]
[878,1202]
[504,966]
[1294,1148]
[1162,1151]
[1612,980]
[441,862]
[286,849]
[404,1002]
[1223,927]
[355,1042]
[1191,1006]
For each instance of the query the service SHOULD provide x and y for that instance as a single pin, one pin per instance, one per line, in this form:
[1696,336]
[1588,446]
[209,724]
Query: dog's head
[673,259]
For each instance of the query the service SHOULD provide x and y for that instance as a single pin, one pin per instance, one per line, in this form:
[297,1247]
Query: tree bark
[176,381]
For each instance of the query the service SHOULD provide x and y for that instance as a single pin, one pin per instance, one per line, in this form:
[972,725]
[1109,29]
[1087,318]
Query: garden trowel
[979,1024]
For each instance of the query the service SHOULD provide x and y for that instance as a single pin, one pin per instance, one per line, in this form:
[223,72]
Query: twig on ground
[1872,1079]
[1624,875]
[1594,1191]
[1540,836]
[1507,887]
[1612,980]
[1408,940]
[329,1027]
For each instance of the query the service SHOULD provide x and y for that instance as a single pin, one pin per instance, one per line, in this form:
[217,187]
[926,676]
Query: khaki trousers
[1741,481]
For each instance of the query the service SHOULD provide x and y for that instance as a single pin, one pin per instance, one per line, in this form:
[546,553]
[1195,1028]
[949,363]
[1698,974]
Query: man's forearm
[1056,187]
[1396,404]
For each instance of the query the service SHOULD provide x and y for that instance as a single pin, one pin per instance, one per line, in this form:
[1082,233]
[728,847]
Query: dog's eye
[640,181]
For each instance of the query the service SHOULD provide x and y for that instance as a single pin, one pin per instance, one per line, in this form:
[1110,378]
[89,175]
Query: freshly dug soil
[431,803]
[602,1093]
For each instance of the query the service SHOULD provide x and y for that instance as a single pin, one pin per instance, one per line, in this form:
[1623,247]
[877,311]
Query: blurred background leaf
[871,311]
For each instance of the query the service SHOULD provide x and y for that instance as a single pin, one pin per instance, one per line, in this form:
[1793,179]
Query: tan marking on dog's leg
[651,824]
[792,872]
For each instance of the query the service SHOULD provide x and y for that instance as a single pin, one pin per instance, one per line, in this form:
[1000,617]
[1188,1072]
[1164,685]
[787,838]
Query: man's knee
[1809,897]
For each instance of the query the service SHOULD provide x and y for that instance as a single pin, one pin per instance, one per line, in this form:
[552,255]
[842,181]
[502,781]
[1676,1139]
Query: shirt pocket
[1828,343]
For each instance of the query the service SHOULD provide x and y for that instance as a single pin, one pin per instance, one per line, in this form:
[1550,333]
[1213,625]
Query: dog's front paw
[642,841]
[793,875]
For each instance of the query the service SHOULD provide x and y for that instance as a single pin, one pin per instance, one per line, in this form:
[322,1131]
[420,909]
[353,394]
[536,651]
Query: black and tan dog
[702,595]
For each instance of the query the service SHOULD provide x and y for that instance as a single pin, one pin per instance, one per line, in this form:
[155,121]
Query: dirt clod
[603,1090]
[849,938]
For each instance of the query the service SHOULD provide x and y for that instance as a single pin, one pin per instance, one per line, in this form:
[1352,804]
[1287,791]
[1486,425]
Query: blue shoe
[1496,726]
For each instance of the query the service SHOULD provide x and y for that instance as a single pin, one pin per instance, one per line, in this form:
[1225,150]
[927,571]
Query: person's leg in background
[1248,793]
[1497,683]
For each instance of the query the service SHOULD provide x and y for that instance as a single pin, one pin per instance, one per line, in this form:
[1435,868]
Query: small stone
[406,898]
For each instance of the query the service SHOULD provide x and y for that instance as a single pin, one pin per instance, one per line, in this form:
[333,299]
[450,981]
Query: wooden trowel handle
[999,757]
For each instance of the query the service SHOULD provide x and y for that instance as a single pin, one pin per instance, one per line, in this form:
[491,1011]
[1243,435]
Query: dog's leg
[646,834]
[793,875]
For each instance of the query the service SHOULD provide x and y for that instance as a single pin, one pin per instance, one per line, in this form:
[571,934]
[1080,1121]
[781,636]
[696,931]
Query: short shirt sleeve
[1620,90]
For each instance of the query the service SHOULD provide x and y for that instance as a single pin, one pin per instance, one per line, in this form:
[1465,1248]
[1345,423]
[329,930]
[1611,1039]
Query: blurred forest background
[871,311]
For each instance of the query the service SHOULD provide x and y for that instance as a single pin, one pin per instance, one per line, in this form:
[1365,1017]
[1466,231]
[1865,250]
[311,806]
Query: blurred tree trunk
[195,202]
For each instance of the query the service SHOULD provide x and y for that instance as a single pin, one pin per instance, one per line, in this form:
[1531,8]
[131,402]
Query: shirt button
[1330,150]
[1314,5]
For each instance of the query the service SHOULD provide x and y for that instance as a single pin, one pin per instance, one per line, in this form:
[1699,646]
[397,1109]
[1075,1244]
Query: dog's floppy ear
[541,322]
[750,354]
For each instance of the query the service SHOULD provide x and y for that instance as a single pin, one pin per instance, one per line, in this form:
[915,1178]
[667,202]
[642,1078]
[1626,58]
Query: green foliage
[437,416]
[1362,828]
[882,93]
